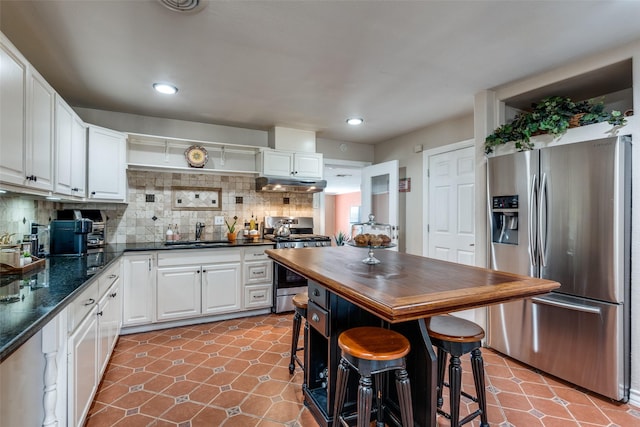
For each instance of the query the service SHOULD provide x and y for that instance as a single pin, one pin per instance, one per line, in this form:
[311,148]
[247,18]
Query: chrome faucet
[199,227]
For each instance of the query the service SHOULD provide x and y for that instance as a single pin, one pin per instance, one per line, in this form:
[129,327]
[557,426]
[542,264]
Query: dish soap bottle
[169,233]
[252,223]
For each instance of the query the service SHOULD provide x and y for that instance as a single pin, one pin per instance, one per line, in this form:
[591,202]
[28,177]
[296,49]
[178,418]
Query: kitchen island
[398,293]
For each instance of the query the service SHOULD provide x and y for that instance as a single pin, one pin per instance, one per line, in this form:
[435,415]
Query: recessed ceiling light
[165,88]
[355,121]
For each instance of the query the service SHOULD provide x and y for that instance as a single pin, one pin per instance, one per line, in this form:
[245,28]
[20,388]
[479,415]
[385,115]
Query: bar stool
[300,302]
[456,337]
[371,351]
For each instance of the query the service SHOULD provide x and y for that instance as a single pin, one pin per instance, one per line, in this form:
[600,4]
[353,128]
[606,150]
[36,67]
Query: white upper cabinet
[106,167]
[290,164]
[13,91]
[71,151]
[39,153]
[26,122]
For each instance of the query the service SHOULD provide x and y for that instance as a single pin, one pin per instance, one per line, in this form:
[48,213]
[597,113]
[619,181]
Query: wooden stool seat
[301,300]
[371,343]
[371,352]
[300,304]
[451,328]
[456,337]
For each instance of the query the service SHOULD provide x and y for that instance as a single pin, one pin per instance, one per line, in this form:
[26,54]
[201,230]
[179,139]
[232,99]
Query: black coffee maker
[69,237]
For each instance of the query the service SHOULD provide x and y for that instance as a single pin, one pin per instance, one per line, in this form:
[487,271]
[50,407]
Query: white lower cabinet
[139,277]
[83,367]
[182,284]
[109,323]
[192,283]
[179,292]
[221,291]
[258,278]
[95,317]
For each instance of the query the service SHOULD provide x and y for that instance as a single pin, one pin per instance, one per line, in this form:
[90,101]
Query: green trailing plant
[552,115]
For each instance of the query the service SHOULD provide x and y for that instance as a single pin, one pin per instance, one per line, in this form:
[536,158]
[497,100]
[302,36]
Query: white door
[451,213]
[380,195]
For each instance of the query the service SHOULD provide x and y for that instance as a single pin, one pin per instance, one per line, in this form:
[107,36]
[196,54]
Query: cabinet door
[221,288]
[178,292]
[109,321]
[106,167]
[64,135]
[277,163]
[139,277]
[83,369]
[307,165]
[13,88]
[39,154]
[78,157]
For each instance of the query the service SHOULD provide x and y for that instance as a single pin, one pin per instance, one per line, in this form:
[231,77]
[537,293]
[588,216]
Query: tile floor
[235,373]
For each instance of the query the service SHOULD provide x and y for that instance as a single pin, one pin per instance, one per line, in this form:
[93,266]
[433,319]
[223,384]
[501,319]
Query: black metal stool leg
[477,367]
[297,321]
[455,380]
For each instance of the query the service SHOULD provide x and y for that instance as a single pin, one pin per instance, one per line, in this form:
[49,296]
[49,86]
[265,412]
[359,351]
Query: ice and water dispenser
[504,224]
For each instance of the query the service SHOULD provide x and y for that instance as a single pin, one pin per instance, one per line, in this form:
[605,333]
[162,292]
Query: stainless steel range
[290,233]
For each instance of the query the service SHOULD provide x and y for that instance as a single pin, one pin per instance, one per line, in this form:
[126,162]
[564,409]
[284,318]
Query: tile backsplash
[149,211]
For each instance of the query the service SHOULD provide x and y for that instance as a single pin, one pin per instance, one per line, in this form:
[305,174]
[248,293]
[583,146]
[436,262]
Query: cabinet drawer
[108,277]
[258,272]
[256,296]
[256,253]
[318,294]
[82,305]
[318,318]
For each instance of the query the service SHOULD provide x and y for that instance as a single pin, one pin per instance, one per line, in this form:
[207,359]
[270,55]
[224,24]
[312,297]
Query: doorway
[340,202]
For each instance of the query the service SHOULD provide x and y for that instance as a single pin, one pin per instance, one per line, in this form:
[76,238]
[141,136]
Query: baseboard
[634,397]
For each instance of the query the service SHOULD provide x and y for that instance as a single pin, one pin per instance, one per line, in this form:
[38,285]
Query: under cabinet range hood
[289,185]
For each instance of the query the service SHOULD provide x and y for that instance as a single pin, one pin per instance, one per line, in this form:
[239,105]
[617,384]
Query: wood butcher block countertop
[407,287]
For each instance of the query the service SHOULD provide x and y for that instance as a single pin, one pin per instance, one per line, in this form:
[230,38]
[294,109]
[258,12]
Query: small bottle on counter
[169,233]
[176,233]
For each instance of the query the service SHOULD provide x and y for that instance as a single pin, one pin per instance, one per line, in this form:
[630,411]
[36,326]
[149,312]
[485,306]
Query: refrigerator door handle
[530,227]
[542,244]
[567,305]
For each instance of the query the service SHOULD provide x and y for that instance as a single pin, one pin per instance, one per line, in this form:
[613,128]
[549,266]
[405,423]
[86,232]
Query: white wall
[402,149]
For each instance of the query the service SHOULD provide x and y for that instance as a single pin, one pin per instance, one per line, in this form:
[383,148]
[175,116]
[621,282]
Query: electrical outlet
[218,220]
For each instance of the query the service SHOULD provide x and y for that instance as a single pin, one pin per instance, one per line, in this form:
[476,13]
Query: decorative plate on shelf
[196,156]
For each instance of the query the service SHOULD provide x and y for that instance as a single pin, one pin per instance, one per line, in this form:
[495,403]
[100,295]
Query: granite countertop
[28,301]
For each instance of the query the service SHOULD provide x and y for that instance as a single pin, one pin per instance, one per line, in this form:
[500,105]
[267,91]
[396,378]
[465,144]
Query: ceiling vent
[190,6]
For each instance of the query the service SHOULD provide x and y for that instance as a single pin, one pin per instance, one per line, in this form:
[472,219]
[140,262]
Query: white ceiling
[401,65]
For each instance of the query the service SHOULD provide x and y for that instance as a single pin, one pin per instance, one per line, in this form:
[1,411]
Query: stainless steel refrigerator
[563,213]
